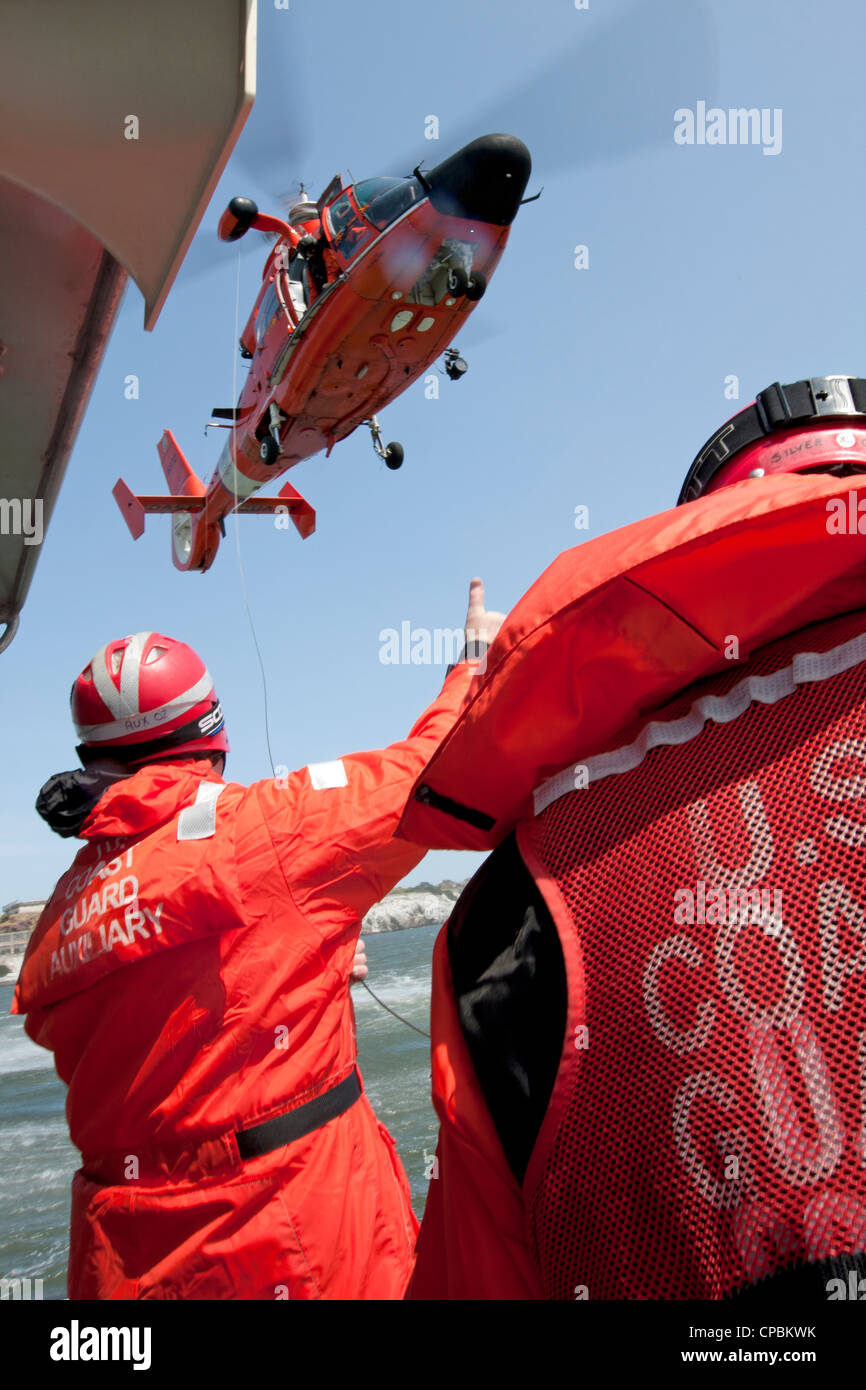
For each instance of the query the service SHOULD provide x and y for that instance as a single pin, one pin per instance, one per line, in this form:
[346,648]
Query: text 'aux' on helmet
[144,697]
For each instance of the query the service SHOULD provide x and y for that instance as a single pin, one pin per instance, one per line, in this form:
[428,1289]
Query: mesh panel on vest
[713,1129]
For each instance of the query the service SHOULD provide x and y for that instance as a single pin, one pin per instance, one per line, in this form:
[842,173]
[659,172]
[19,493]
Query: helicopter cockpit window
[382,201]
[340,214]
[349,231]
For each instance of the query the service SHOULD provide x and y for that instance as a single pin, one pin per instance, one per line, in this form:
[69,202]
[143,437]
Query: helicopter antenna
[535,197]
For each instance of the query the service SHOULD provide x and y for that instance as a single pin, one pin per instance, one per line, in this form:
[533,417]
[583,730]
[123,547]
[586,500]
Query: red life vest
[191,975]
[697,856]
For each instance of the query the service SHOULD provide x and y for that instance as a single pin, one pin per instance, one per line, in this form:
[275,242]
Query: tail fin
[192,546]
[182,482]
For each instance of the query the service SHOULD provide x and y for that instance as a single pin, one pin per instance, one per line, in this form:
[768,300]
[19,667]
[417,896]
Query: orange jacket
[191,975]
[611,633]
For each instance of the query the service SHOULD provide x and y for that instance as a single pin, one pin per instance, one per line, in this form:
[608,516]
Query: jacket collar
[97,803]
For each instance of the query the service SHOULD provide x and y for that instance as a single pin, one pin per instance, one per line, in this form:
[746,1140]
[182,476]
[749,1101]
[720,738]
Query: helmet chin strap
[837,401]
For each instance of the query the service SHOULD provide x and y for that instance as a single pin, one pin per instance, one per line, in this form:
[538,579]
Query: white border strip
[154,719]
[198,821]
[722,709]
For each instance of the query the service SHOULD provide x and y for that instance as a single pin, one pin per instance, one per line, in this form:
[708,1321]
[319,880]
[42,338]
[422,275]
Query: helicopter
[361,292]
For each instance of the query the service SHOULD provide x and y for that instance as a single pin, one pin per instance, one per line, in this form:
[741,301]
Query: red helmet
[812,426]
[144,697]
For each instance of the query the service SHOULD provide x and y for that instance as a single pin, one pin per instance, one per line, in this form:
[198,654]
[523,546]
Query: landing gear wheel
[393,455]
[269,451]
[458,280]
[477,285]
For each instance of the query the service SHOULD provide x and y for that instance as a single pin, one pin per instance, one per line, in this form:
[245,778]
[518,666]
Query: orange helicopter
[361,292]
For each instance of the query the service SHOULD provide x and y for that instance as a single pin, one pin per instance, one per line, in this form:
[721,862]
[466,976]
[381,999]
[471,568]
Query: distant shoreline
[427,905]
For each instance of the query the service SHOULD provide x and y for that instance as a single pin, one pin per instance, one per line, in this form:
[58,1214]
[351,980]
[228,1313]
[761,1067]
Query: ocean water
[37,1160]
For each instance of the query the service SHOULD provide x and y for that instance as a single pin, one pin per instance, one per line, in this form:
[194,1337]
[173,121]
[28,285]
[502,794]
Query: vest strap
[776,408]
[428,797]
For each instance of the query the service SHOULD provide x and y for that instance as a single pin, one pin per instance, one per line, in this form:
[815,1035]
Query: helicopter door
[298,281]
[298,299]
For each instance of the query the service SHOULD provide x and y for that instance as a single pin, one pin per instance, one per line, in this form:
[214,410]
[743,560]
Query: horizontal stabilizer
[130,507]
[288,499]
[166,503]
[134,509]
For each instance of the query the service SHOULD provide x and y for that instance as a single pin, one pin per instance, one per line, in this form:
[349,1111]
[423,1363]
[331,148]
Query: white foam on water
[400,991]
[45,1192]
[35,1130]
[45,1260]
[18,1052]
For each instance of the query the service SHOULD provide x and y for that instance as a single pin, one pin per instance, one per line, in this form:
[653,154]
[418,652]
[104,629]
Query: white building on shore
[17,920]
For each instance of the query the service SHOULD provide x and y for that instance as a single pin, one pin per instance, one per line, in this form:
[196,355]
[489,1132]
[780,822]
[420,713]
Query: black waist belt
[284,1129]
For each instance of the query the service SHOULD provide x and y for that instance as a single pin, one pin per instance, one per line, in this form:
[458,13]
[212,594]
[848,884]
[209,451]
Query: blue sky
[587,387]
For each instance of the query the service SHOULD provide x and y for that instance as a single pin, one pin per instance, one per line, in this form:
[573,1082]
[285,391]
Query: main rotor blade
[276,138]
[274,143]
[601,98]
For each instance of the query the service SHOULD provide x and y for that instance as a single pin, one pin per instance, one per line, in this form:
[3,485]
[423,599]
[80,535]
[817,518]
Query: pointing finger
[476,599]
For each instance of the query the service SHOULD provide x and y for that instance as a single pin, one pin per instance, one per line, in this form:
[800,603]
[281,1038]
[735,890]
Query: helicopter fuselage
[359,298]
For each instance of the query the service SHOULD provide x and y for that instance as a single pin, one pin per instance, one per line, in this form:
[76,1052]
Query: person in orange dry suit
[191,975]
[648,1042]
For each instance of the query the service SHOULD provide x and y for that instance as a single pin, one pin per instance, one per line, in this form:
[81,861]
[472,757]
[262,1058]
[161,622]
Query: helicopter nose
[484,181]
